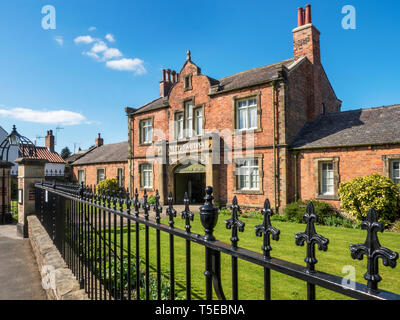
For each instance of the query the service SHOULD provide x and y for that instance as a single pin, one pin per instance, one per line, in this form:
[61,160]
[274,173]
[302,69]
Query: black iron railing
[88,227]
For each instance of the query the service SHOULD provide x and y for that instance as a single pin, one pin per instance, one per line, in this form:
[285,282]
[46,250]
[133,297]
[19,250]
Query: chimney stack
[99,141]
[169,78]
[306,37]
[49,141]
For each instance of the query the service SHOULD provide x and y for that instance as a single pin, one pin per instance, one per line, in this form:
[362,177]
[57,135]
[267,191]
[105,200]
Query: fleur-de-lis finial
[311,237]
[267,229]
[136,203]
[373,251]
[187,214]
[157,208]
[234,223]
[146,206]
[171,212]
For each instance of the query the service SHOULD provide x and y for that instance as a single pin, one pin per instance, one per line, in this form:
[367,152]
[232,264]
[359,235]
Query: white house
[12,154]
[55,165]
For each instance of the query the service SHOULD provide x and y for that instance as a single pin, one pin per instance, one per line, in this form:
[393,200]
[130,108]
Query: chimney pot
[308,14]
[300,17]
[163,75]
[169,75]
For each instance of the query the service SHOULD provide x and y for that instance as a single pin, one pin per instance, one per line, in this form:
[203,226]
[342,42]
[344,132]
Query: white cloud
[59,40]
[92,28]
[99,47]
[84,39]
[111,53]
[63,117]
[135,65]
[110,37]
[91,55]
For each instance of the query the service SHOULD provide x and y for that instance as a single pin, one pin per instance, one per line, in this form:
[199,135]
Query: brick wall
[110,172]
[353,162]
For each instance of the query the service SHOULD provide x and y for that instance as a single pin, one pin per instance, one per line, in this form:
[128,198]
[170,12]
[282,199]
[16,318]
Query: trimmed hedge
[294,211]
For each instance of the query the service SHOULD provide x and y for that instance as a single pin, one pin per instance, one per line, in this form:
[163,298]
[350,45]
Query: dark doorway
[192,183]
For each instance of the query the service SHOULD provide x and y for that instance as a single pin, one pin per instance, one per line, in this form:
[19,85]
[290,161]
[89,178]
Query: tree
[65,153]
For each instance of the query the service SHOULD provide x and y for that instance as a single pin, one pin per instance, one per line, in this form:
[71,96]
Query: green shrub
[375,191]
[225,212]
[395,227]
[108,184]
[294,211]
[151,200]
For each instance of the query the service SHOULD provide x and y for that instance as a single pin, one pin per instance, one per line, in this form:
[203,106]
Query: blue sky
[57,83]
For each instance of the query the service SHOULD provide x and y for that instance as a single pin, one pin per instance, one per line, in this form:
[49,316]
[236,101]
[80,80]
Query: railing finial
[267,229]
[372,249]
[209,215]
[234,223]
[311,237]
[187,214]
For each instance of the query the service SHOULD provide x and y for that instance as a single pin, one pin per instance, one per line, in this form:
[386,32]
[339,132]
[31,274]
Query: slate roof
[239,80]
[351,128]
[76,156]
[252,76]
[116,152]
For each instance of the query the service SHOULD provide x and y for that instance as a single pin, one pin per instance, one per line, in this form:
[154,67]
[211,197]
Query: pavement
[19,274]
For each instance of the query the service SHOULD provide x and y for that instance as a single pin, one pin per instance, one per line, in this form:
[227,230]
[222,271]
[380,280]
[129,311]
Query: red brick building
[248,134]
[104,161]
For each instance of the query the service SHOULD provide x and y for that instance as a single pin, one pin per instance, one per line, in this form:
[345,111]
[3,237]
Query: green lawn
[251,276]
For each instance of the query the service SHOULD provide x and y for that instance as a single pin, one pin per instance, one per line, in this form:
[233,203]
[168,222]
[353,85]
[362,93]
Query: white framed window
[81,176]
[198,114]
[395,171]
[146,131]
[248,174]
[326,178]
[120,176]
[189,118]
[147,176]
[246,114]
[179,126]
[101,175]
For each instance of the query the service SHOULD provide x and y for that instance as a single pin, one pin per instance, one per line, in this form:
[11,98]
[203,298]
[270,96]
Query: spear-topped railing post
[267,230]
[237,226]
[158,210]
[372,249]
[312,238]
[171,212]
[188,216]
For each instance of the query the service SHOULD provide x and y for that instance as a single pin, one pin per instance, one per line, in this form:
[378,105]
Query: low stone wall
[60,282]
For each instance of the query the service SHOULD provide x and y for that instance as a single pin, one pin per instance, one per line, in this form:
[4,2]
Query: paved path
[19,274]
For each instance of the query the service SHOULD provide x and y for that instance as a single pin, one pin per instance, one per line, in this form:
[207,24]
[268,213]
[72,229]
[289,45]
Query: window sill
[146,189]
[249,192]
[327,197]
[246,131]
[145,144]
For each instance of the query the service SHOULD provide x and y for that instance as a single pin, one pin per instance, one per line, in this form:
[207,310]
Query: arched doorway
[190,177]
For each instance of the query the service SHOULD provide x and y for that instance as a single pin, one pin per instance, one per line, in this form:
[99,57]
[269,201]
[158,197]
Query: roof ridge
[248,70]
[364,109]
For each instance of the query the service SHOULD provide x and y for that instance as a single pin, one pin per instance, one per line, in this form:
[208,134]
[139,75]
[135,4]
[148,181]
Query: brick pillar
[29,172]
[5,191]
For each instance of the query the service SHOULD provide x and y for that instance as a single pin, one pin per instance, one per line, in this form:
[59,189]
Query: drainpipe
[295,177]
[274,138]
